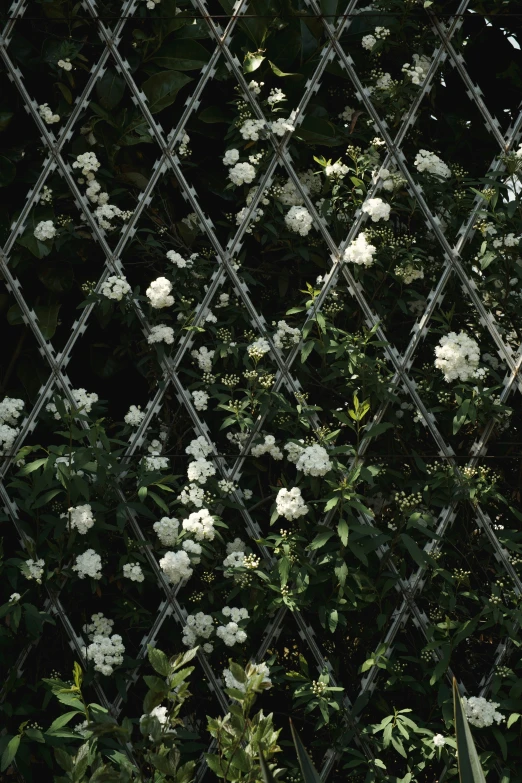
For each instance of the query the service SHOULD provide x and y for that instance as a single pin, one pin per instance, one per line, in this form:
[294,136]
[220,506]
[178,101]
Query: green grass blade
[310,774]
[470,769]
[265,771]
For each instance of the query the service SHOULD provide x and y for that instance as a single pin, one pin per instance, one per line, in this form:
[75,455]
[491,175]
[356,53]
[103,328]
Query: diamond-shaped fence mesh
[330,40]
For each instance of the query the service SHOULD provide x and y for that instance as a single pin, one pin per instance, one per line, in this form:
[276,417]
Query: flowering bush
[263,284]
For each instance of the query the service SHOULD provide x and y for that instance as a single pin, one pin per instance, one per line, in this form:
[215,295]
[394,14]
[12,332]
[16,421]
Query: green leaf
[162,88]
[63,720]
[321,539]
[47,319]
[279,72]
[7,171]
[158,661]
[182,55]
[306,350]
[9,753]
[415,551]
[110,89]
[64,760]
[470,769]
[213,114]
[343,531]
[252,62]
[309,772]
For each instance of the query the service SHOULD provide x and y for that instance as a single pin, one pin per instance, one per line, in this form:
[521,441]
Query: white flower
[7,438]
[359,251]
[417,72]
[298,219]
[36,569]
[198,625]
[99,626]
[83,400]
[10,410]
[167,530]
[46,114]
[280,126]
[65,64]
[115,287]
[88,163]
[88,564]
[286,335]
[133,572]
[480,712]
[231,633]
[336,170]
[231,157]
[276,95]
[241,173]
[457,356]
[200,400]
[368,42]
[250,129]
[106,652]
[14,598]
[377,209]
[158,293]
[134,416]
[347,114]
[267,447]
[204,358]
[255,87]
[439,741]
[193,549]
[179,261]
[314,461]
[199,448]
[200,470]
[81,518]
[161,334]
[258,348]
[176,566]
[45,230]
[192,494]
[428,161]
[200,524]
[290,504]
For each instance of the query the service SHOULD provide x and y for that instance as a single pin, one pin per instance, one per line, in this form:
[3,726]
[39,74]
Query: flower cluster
[198,626]
[200,524]
[290,504]
[458,356]
[480,712]
[298,219]
[161,334]
[80,518]
[428,161]
[231,633]
[45,230]
[134,416]
[158,293]
[115,287]
[268,446]
[377,209]
[311,460]
[88,564]
[360,251]
[133,572]
[106,652]
[83,400]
